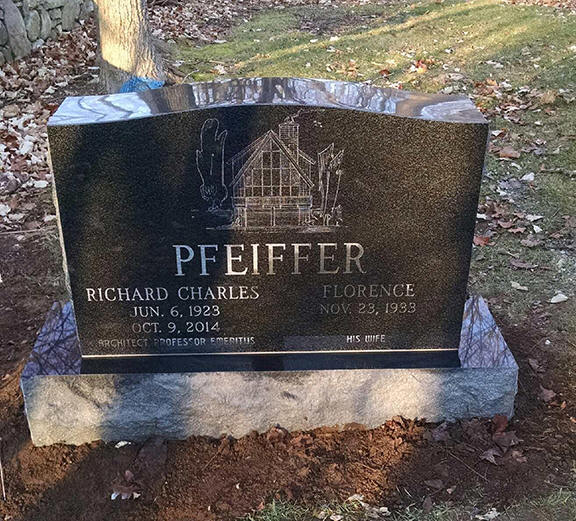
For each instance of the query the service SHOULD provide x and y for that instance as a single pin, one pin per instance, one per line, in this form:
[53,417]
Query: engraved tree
[210,165]
[329,176]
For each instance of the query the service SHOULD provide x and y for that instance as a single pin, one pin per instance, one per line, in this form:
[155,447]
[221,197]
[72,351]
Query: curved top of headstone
[266,91]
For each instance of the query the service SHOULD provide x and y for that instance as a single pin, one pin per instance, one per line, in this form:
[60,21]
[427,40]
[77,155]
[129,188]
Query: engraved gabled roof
[248,150]
[257,147]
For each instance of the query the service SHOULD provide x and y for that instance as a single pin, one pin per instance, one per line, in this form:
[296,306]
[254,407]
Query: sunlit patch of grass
[461,33]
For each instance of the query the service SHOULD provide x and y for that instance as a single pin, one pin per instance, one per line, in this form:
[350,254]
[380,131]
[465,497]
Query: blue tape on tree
[136,84]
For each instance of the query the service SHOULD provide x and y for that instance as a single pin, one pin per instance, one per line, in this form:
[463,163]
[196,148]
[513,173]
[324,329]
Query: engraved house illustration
[274,183]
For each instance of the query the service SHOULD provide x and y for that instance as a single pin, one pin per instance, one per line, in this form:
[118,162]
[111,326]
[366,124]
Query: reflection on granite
[481,343]
[266,91]
[57,352]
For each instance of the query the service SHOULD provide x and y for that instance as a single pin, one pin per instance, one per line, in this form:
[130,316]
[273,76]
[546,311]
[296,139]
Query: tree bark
[126,44]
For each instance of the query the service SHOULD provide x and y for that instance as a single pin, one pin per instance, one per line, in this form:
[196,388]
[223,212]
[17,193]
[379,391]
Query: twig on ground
[212,458]
[24,232]
[2,474]
[469,467]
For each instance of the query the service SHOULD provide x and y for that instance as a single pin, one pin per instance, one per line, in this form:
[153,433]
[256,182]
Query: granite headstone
[267,224]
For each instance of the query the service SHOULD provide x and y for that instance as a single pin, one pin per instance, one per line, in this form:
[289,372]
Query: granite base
[64,406]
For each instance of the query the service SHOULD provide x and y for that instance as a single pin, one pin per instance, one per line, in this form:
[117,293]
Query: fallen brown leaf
[547,395]
[505,224]
[480,240]
[499,423]
[438,484]
[505,440]
[491,454]
[530,242]
[517,263]
[509,153]
[518,456]
[548,97]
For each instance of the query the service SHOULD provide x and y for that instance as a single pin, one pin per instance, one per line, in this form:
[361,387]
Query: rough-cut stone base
[73,408]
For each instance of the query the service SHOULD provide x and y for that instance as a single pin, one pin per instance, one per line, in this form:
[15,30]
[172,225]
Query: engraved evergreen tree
[329,176]
[210,165]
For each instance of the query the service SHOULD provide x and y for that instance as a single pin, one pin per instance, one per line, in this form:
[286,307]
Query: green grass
[560,506]
[278,42]
[535,47]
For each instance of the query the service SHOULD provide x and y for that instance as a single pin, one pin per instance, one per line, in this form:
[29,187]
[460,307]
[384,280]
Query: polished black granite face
[56,352]
[280,217]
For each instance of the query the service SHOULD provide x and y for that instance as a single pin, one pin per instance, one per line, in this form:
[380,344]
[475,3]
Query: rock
[53,4]
[56,14]
[3,34]
[29,5]
[2,59]
[33,25]
[70,13]
[16,27]
[7,53]
[56,31]
[86,9]
[38,43]
[45,24]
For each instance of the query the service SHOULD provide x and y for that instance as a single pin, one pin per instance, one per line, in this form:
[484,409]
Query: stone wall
[27,24]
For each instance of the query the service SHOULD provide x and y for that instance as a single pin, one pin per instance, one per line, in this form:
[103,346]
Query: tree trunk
[126,45]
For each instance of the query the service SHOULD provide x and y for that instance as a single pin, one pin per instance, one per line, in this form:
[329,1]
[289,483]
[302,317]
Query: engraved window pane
[294,177]
[266,177]
[266,159]
[276,159]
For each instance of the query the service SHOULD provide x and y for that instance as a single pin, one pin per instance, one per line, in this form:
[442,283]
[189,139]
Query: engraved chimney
[288,131]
